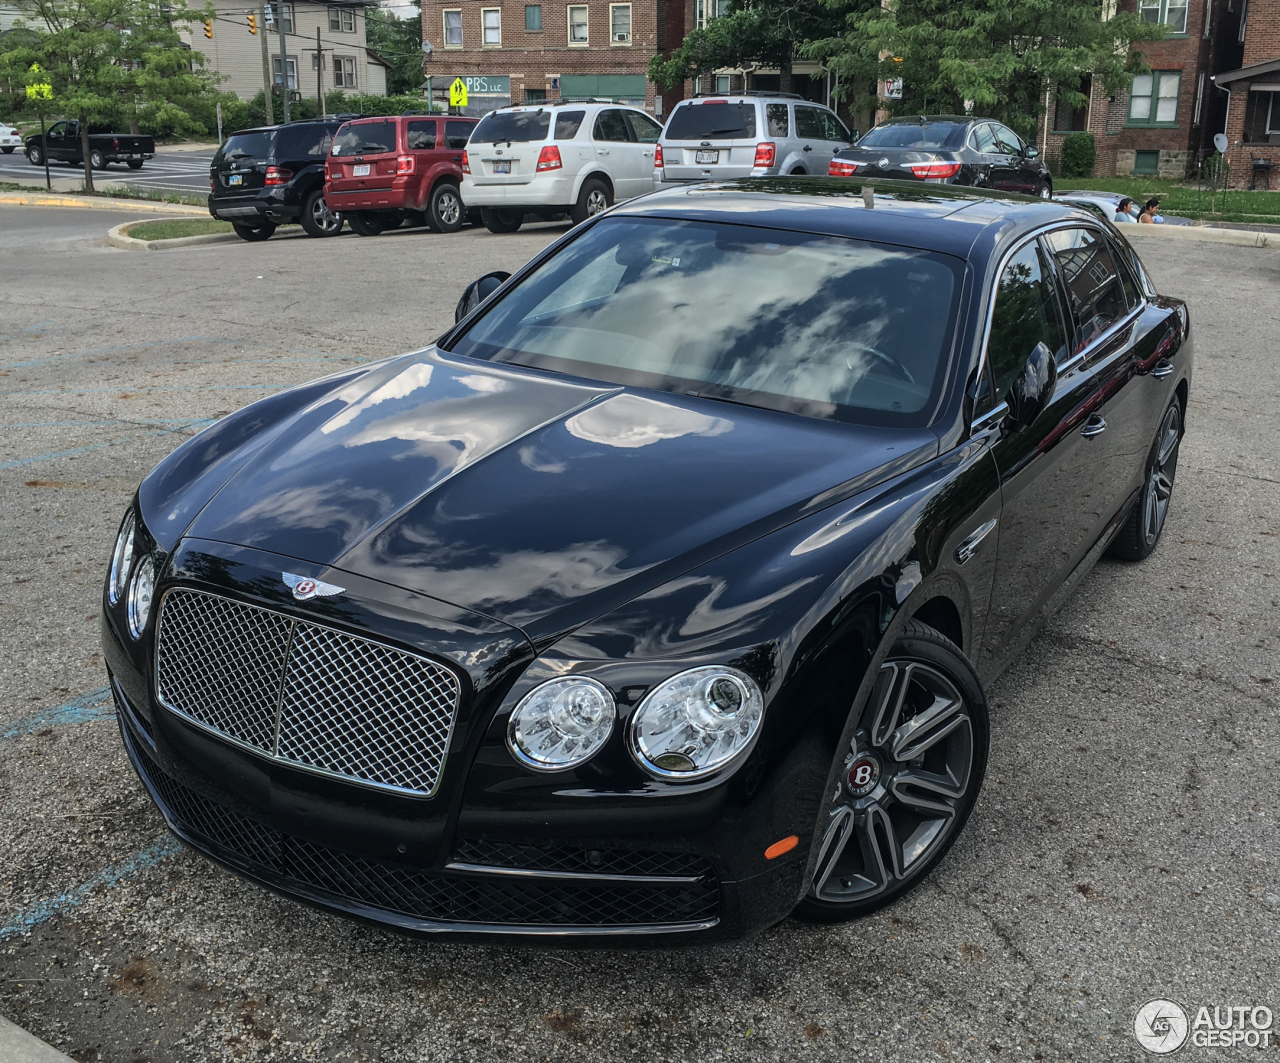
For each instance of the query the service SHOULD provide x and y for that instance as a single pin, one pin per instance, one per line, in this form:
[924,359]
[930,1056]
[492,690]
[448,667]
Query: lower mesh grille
[454,898]
[580,860]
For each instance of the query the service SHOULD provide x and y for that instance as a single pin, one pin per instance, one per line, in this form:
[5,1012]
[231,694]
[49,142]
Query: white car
[557,158]
[9,139]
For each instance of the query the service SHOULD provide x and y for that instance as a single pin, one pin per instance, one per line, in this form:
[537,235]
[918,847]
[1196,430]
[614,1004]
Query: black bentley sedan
[657,598]
[947,149]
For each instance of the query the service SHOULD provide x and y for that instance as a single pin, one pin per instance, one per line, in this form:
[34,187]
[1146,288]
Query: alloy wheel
[596,201]
[1046,192]
[449,207]
[903,786]
[1159,486]
[325,220]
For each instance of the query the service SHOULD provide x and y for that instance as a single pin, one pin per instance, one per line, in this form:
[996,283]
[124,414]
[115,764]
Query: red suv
[382,170]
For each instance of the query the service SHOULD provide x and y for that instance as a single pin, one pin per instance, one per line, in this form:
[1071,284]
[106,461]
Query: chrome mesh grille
[307,694]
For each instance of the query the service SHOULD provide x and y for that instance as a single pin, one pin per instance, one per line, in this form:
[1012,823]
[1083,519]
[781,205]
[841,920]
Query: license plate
[705,157]
[235,179]
[360,171]
[502,167]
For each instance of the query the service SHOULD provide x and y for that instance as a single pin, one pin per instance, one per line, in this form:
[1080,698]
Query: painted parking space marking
[95,705]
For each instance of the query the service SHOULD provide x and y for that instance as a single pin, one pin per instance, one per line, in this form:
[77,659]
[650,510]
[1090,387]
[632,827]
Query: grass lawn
[1175,198]
[171,230]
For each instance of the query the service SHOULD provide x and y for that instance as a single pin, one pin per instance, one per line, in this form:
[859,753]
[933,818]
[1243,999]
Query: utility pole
[266,64]
[284,60]
[319,76]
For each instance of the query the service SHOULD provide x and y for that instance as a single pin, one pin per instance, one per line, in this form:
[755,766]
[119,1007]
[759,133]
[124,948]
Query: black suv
[261,178]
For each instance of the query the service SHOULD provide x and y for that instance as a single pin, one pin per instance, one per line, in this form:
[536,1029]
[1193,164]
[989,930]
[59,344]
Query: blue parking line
[95,705]
[112,350]
[43,911]
[58,454]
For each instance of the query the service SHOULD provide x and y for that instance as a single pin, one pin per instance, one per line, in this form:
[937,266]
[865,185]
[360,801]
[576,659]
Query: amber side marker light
[779,848]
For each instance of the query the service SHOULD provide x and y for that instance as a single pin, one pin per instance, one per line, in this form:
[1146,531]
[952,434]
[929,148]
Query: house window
[533,18]
[292,67]
[722,84]
[491,21]
[1146,163]
[578,26]
[344,72]
[342,20]
[700,14]
[1153,100]
[535,95]
[619,23]
[335,20]
[1068,119]
[1171,12]
[1273,115]
[273,10]
[453,29]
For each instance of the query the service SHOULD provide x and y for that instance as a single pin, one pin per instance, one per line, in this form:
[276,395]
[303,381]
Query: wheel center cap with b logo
[864,775]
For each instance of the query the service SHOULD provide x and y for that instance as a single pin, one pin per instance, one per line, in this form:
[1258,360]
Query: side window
[611,127]
[58,129]
[568,123]
[1094,287]
[776,115]
[1008,140]
[809,124]
[983,140]
[420,136]
[835,128]
[643,128]
[1132,294]
[456,134]
[1026,313]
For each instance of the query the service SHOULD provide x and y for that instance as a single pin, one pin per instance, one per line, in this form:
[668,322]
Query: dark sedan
[657,598]
[947,149]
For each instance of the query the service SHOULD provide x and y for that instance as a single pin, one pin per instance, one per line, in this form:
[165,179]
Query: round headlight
[140,592]
[561,724]
[696,723]
[121,560]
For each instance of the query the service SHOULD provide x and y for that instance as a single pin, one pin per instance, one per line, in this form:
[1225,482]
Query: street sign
[40,90]
[458,93]
[893,88]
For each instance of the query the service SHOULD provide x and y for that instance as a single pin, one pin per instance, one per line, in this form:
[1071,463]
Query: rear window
[295,142]
[501,127]
[365,138]
[914,135]
[247,145]
[713,121]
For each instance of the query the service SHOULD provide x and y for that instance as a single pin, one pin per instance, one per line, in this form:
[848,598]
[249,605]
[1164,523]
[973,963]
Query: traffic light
[253,25]
[208,28]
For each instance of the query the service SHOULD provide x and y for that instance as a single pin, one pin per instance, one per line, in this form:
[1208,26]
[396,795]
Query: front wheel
[97,161]
[35,156]
[1046,191]
[367,223]
[317,219]
[501,221]
[594,197]
[135,164]
[907,781]
[1141,531]
[254,233]
[445,211]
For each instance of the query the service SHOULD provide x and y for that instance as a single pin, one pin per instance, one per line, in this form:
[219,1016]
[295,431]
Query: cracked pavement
[1124,846]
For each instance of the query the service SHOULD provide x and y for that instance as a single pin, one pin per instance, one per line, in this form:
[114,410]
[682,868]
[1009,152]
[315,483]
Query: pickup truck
[63,139]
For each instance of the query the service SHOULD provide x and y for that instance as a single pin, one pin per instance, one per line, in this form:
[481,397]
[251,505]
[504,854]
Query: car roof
[943,218]
[920,119]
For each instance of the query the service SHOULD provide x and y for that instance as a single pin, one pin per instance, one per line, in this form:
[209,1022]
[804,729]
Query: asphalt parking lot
[1124,848]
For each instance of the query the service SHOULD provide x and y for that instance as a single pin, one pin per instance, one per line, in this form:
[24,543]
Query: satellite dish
[1220,142]
[426,47]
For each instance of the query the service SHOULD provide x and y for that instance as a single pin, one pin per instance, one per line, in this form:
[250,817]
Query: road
[182,171]
[1124,847]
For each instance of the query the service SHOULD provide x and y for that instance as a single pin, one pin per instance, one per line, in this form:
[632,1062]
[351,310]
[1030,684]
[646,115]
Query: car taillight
[765,154]
[841,168]
[404,165]
[277,176]
[549,158]
[658,162]
[115,146]
[466,166]
[213,186]
[935,169]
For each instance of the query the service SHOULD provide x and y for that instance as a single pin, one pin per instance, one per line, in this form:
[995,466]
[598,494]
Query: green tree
[103,57]
[399,42]
[1000,54]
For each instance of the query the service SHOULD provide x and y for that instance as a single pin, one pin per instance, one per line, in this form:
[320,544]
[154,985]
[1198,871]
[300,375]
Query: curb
[116,238]
[1235,237]
[46,199]
[18,1046]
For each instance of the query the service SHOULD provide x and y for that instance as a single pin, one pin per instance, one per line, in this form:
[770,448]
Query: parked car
[1104,204]
[10,138]
[555,159]
[948,149]
[66,145]
[661,594]
[261,178]
[754,135]
[382,171]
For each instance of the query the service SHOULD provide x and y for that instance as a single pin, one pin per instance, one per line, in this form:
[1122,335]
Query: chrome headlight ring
[122,558]
[141,594]
[562,723]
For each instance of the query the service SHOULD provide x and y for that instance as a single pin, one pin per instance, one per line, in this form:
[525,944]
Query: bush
[1078,155]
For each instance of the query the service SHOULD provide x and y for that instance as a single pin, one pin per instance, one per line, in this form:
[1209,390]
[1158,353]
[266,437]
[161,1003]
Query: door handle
[807,148]
[1094,426]
[647,154]
[1163,368]
[457,158]
[969,547]
[602,151]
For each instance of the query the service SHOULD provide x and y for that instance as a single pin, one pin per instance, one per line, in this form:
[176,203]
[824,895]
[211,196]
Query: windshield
[247,145]
[510,127]
[821,326]
[712,121]
[913,135]
[364,138]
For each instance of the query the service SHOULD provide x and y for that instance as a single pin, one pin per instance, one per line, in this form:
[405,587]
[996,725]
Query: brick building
[1253,89]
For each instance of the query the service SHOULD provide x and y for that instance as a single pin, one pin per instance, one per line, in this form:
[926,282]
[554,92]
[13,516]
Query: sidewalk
[18,1046]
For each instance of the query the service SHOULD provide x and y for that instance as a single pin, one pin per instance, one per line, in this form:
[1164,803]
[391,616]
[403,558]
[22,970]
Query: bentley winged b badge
[304,588]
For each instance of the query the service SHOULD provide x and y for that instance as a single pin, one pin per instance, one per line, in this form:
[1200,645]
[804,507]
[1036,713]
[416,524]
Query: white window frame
[335,20]
[700,14]
[613,33]
[270,12]
[485,41]
[444,27]
[586,23]
[1273,113]
[721,84]
[291,65]
[1158,79]
[1195,118]
[348,16]
[341,65]
[1161,10]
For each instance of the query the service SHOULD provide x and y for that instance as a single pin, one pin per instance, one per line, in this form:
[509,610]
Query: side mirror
[477,292]
[1032,389]
[1033,152]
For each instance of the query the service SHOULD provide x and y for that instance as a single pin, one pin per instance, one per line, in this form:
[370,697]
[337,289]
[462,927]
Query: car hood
[534,499]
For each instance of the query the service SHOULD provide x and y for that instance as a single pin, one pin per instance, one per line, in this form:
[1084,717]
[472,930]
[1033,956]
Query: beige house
[335,32]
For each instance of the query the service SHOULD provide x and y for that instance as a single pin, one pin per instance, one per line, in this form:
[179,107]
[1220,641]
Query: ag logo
[1161,1026]
[304,588]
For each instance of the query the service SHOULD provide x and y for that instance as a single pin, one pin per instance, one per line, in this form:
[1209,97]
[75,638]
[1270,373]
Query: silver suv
[754,135]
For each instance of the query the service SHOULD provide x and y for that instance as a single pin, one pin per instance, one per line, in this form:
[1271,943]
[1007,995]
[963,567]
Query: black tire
[254,233]
[445,211]
[135,164]
[317,219]
[501,221]
[852,880]
[35,156]
[97,161]
[1140,534]
[367,223]
[1045,191]
[7,151]
[594,197]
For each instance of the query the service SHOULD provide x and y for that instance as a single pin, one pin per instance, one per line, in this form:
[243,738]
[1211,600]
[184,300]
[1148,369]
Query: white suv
[557,158]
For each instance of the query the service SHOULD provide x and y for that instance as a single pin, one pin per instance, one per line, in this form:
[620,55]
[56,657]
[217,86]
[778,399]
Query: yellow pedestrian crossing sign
[458,93]
[39,90]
